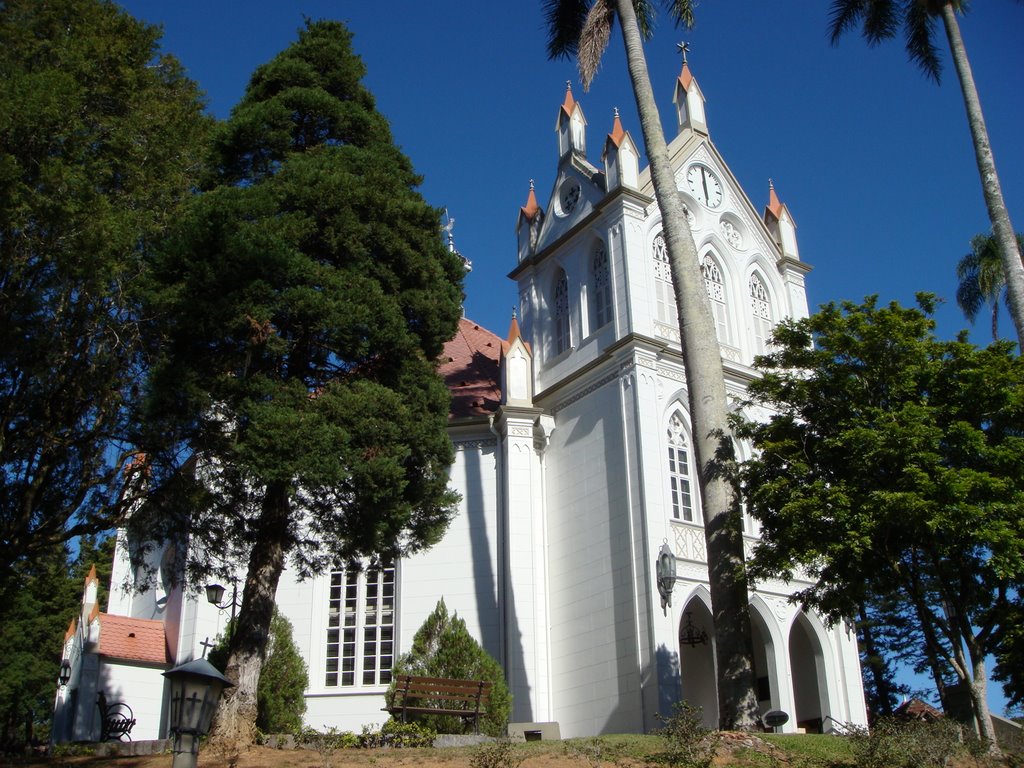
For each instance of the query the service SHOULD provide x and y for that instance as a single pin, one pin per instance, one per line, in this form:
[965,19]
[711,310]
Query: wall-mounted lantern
[665,568]
[65,673]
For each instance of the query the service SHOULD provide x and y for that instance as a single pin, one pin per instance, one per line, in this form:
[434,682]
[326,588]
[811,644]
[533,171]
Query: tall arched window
[761,306]
[715,287]
[679,470]
[665,293]
[561,315]
[602,285]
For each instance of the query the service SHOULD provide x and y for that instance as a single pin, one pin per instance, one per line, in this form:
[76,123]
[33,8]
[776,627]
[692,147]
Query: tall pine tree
[303,302]
[100,141]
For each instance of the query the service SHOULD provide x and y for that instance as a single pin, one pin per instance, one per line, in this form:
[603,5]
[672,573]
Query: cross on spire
[683,48]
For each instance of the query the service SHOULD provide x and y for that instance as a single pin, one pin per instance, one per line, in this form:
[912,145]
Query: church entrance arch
[807,662]
[697,660]
[765,668]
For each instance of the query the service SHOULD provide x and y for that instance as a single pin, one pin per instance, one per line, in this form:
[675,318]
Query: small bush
[499,754]
[410,735]
[327,741]
[907,744]
[688,744]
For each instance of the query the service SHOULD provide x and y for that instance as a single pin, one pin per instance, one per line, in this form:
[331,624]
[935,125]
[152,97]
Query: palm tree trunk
[737,700]
[235,725]
[1002,229]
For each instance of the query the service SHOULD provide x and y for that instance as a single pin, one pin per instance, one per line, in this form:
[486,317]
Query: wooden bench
[467,699]
[116,719]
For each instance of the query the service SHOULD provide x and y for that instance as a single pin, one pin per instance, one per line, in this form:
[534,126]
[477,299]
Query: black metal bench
[116,719]
[467,699]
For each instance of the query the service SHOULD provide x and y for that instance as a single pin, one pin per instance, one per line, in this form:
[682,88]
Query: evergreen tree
[281,696]
[100,140]
[443,647]
[304,298]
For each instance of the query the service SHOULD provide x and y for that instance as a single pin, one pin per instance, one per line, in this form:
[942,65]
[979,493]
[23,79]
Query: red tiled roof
[469,366]
[122,637]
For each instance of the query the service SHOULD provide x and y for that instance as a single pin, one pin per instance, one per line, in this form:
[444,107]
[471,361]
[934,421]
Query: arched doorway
[807,662]
[765,673]
[697,660]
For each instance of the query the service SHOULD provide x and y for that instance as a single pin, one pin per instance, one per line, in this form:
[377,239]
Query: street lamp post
[195,692]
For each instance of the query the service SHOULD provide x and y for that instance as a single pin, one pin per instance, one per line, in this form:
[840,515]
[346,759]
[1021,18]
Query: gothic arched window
[715,286]
[679,470]
[602,285]
[761,305]
[664,292]
[561,314]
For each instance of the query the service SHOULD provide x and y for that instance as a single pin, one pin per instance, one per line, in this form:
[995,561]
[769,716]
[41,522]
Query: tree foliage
[100,141]
[304,297]
[892,464]
[443,647]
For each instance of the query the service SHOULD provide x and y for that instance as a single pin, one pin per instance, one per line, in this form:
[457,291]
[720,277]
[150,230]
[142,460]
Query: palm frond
[645,14]
[564,21]
[681,11]
[968,291]
[920,30]
[882,19]
[597,30]
[843,16]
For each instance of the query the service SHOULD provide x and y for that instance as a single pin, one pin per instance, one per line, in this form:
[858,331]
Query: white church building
[574,466]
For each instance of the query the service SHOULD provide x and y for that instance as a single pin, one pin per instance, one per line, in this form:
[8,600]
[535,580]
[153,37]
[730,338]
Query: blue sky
[873,160]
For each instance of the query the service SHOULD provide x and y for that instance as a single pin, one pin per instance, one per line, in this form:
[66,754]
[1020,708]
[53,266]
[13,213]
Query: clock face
[704,185]
[570,196]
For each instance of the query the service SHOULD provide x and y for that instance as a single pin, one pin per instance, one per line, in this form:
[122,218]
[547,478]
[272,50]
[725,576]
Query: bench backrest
[447,689]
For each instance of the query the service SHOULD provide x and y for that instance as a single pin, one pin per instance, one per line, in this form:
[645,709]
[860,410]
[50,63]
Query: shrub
[398,735]
[280,697]
[498,754]
[443,647]
[688,744]
[895,743]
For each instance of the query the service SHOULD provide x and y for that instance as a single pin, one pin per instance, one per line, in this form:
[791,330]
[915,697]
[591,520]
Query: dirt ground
[541,755]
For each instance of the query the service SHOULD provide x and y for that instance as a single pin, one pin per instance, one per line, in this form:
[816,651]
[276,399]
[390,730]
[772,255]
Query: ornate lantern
[195,693]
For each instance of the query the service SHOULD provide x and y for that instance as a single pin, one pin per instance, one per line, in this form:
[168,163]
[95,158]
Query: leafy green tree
[280,695]
[443,647]
[892,464]
[982,279]
[882,20]
[100,140]
[582,28]
[304,298]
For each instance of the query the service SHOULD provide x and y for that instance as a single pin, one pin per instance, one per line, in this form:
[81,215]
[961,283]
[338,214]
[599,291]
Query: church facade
[574,467]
